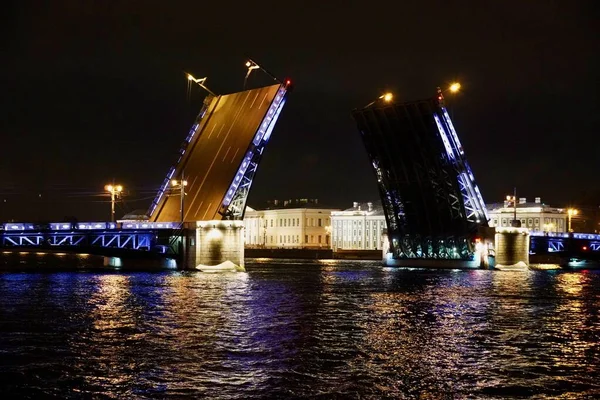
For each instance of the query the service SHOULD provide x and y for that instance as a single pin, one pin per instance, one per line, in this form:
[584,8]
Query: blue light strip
[188,139]
[452,131]
[261,136]
[471,194]
[444,137]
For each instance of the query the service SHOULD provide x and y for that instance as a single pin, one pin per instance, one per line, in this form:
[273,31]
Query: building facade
[358,228]
[293,227]
[536,216]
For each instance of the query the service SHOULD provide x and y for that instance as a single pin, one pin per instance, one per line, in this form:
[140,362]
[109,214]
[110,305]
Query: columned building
[536,215]
[299,224]
[358,228]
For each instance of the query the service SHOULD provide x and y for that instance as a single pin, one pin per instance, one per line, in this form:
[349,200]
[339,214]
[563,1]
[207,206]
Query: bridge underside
[432,206]
[219,157]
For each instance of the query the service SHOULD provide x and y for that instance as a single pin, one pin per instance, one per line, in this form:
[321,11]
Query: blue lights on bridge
[131,235]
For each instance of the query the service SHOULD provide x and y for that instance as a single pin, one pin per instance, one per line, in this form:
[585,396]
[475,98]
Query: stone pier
[214,242]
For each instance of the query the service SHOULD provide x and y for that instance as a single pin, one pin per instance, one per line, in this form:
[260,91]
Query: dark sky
[96,91]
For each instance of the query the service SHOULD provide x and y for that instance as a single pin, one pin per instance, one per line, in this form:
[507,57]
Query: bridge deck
[215,154]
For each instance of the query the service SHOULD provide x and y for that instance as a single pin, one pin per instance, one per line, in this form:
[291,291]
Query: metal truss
[123,240]
[117,239]
[432,206]
[233,205]
[541,242]
[555,245]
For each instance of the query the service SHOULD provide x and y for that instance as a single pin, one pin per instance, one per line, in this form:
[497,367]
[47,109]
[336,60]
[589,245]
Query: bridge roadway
[131,238]
[215,154]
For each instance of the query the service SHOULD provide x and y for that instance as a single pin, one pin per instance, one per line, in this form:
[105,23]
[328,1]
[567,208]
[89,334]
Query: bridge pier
[213,243]
[512,247]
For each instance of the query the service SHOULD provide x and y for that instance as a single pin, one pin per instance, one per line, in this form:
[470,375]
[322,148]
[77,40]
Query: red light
[584,248]
[440,97]
[288,82]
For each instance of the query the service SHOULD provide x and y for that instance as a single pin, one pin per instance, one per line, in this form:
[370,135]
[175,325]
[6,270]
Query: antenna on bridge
[252,65]
[199,81]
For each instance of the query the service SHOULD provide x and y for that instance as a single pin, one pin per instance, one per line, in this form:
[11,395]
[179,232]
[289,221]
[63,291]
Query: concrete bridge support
[213,243]
[512,247]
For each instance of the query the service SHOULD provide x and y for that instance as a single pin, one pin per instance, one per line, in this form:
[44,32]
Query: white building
[301,227]
[536,216]
[358,228]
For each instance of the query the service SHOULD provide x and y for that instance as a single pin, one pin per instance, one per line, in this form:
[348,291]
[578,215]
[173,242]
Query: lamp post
[115,191]
[515,223]
[386,97]
[570,213]
[181,186]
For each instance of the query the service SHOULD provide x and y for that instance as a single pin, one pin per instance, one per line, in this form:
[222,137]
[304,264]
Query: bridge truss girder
[432,205]
[132,240]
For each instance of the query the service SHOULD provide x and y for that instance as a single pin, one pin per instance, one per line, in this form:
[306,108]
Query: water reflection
[294,329]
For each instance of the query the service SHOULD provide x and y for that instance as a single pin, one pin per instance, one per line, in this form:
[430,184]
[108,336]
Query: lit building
[358,228]
[536,216]
[289,224]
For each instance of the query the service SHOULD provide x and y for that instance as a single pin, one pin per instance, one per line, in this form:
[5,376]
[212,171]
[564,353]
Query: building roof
[520,206]
[368,208]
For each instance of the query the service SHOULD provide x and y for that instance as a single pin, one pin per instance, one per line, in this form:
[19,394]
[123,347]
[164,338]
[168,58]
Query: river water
[288,329]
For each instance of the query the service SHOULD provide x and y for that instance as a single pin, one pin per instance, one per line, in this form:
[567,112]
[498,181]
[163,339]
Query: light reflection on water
[289,329]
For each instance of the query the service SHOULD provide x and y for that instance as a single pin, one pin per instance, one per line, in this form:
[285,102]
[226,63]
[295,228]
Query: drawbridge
[219,157]
[432,205]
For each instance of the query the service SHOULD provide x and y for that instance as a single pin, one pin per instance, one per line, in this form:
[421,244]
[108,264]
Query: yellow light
[248,63]
[507,197]
[174,182]
[387,97]
[119,188]
[572,211]
[109,188]
[184,183]
[455,87]
[190,77]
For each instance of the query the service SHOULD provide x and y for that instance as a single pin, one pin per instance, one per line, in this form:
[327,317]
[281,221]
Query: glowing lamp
[455,87]
[387,97]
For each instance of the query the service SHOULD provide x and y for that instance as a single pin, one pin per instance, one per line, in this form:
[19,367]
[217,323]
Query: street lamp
[200,81]
[513,198]
[455,87]
[181,186]
[570,213]
[386,97]
[115,191]
[252,65]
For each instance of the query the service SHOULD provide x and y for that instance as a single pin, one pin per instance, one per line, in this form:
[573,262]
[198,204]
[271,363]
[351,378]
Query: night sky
[95,91]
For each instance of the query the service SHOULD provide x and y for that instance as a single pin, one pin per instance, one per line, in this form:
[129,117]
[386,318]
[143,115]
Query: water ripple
[301,330]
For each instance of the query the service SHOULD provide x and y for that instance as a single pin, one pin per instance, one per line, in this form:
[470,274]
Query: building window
[297,221]
[319,237]
[305,238]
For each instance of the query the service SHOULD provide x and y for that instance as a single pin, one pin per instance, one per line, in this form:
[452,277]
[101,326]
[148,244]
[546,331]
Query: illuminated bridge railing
[142,236]
[551,242]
